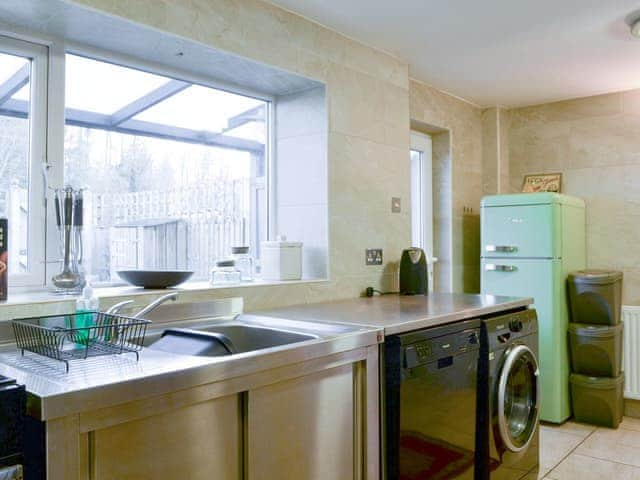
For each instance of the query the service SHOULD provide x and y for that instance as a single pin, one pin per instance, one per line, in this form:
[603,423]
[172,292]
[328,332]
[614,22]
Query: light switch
[396,205]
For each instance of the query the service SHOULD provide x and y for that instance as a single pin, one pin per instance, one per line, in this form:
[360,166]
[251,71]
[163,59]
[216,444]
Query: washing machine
[508,397]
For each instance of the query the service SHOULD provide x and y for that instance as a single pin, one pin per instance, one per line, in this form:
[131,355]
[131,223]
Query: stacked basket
[595,343]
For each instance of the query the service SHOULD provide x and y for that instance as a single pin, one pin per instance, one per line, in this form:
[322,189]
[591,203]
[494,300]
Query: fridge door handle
[501,248]
[492,267]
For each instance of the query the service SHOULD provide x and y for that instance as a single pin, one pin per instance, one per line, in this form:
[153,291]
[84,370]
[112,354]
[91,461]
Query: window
[174,172]
[422,197]
[23,74]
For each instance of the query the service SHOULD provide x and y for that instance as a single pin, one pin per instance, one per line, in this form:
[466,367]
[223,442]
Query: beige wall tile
[595,143]
[490,151]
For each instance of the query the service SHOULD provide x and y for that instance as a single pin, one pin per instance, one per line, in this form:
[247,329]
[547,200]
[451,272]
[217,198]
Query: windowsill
[42,296]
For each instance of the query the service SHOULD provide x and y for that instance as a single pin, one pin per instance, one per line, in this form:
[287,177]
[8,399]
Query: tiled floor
[583,452]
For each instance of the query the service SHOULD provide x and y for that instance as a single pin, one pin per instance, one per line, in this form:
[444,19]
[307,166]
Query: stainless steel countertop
[100,382]
[105,381]
[398,314]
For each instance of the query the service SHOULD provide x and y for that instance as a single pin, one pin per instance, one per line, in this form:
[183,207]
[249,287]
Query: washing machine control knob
[515,325]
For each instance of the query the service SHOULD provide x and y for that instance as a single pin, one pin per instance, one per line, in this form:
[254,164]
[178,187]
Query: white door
[422,198]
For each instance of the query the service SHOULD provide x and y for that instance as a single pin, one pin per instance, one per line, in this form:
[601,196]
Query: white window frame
[422,207]
[38,80]
[422,184]
[126,61]
[47,126]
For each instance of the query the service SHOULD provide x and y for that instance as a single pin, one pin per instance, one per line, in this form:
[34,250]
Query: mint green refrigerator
[530,242]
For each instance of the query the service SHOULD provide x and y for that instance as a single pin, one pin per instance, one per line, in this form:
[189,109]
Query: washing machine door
[518,398]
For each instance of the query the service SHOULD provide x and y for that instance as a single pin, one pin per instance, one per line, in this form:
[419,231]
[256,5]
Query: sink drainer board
[79,336]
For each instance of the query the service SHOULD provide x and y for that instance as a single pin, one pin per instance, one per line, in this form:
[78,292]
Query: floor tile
[621,445]
[555,445]
[574,428]
[630,423]
[581,467]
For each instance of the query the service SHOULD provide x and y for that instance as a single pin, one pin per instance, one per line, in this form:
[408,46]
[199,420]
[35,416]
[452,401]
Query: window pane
[14,157]
[200,108]
[160,194]
[10,65]
[105,88]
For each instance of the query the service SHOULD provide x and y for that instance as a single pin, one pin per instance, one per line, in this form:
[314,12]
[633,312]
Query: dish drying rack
[81,335]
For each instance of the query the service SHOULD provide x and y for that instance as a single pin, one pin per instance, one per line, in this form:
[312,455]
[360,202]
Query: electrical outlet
[373,256]
[396,205]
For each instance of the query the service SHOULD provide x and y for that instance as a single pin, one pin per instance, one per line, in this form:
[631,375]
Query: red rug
[425,458]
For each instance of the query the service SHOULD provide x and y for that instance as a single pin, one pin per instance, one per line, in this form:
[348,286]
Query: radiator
[631,351]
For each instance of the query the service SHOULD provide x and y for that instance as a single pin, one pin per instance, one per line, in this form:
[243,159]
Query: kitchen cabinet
[200,441]
[304,427]
[312,419]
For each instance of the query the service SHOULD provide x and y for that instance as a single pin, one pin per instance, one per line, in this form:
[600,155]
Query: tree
[134,166]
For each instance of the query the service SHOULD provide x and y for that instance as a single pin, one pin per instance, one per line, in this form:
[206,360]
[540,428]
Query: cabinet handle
[492,267]
[501,248]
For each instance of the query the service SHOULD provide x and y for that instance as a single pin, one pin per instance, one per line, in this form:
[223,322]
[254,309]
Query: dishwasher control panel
[437,348]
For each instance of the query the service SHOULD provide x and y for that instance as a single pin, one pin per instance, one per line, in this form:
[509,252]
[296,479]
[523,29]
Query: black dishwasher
[430,379]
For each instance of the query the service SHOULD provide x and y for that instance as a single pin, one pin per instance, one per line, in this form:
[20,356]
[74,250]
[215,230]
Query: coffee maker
[413,272]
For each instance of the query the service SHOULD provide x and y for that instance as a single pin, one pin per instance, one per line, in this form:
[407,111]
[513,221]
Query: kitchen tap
[115,309]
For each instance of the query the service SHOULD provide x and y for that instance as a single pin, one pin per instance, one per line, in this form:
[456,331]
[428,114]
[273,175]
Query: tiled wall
[464,123]
[595,143]
[495,151]
[490,151]
[368,128]
[301,176]
[441,164]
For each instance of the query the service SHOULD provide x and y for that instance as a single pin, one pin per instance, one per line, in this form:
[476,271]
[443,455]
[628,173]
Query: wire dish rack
[80,335]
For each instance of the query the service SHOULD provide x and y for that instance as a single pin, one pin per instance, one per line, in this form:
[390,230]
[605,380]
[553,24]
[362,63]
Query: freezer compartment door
[543,280]
[526,231]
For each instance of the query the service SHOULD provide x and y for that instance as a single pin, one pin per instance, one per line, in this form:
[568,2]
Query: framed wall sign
[542,182]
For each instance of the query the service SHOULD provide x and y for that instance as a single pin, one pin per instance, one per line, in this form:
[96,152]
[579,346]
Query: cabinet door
[201,441]
[303,428]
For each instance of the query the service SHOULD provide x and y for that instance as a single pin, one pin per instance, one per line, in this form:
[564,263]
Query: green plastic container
[595,296]
[597,400]
[596,350]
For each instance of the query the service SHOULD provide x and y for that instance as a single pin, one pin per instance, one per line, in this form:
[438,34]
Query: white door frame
[422,185]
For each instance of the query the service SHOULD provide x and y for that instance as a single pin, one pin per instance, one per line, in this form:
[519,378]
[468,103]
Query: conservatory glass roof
[112,97]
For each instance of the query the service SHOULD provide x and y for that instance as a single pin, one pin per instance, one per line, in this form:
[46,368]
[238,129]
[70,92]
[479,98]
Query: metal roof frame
[122,120]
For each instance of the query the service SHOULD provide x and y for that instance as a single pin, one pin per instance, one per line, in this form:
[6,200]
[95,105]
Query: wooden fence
[215,217]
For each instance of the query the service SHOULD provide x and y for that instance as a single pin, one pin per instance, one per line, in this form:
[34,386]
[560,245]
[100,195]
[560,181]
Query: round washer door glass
[518,398]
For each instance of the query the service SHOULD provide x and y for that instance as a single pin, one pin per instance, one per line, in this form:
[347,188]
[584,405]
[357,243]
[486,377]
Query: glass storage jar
[244,262]
[225,273]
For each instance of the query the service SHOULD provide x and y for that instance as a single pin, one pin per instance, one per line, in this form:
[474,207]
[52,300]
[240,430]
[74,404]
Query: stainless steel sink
[247,333]
[246,338]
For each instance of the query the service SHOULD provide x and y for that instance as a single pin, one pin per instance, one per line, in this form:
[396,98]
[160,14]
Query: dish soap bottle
[86,306]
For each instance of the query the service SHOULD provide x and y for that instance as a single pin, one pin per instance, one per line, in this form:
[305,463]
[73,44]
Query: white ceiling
[497,52]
